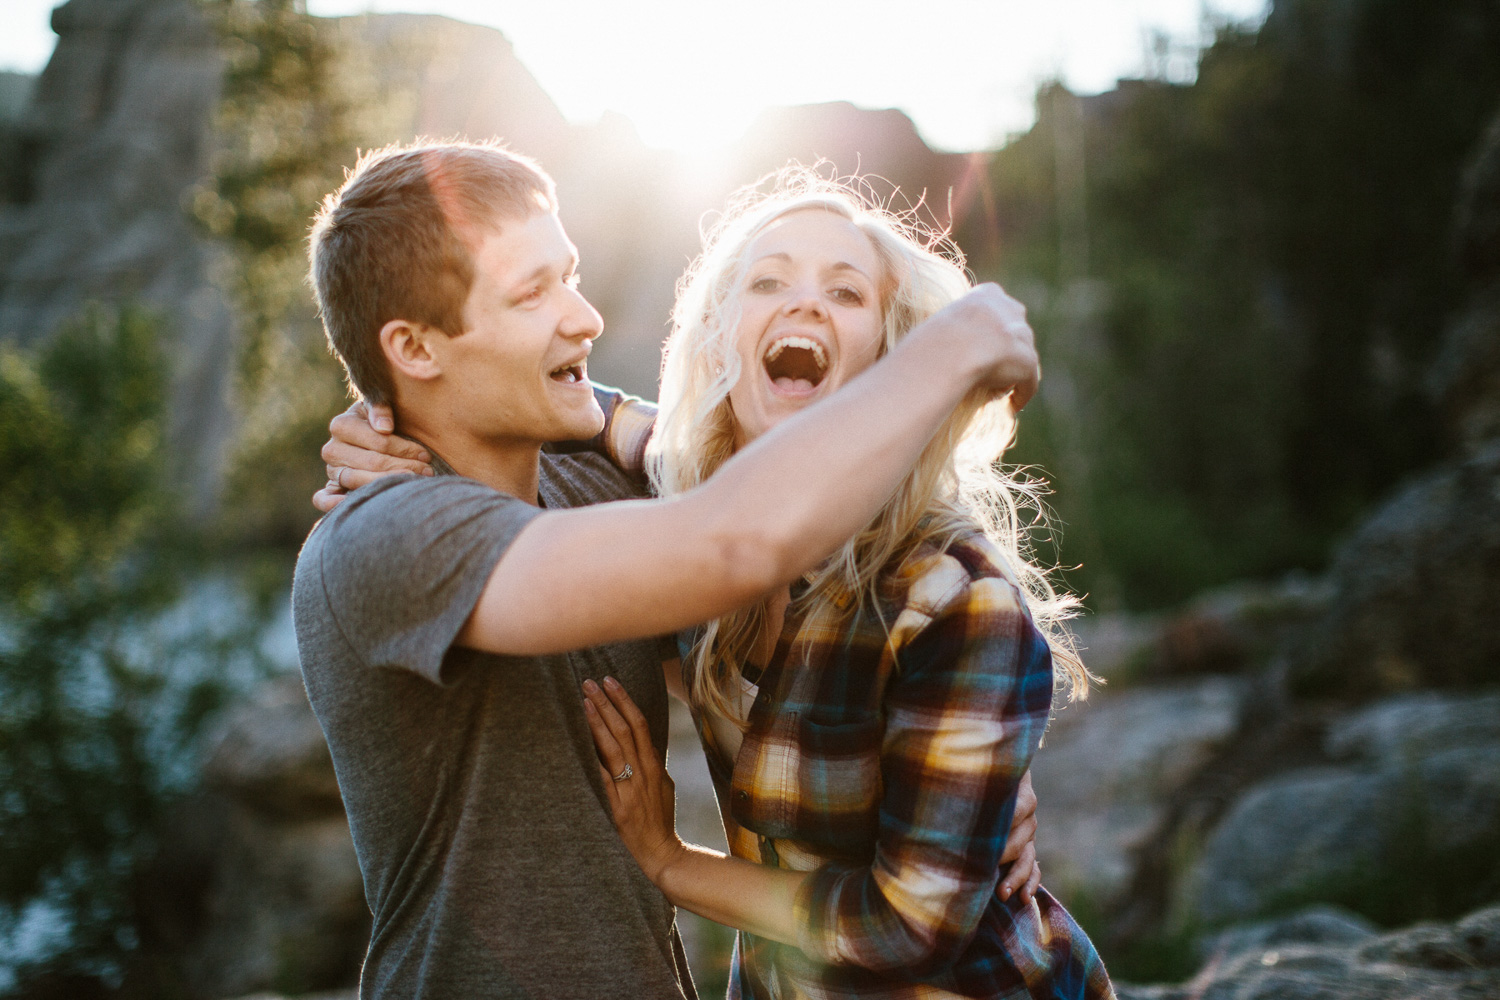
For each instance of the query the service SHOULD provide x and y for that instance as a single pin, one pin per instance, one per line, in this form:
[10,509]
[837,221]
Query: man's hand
[364,447]
[992,327]
[1020,847]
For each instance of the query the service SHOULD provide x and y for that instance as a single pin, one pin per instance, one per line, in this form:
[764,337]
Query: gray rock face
[1320,925]
[1413,727]
[1458,961]
[117,130]
[271,756]
[1423,781]
[285,906]
[1416,589]
[1418,583]
[1108,769]
[1318,830]
[281,900]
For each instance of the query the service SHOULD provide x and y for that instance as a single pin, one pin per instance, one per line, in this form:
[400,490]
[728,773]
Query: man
[445,624]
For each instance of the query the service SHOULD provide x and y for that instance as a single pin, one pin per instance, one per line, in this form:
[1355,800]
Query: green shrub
[105,677]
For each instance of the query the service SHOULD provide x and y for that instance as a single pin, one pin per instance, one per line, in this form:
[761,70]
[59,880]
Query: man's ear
[408,348]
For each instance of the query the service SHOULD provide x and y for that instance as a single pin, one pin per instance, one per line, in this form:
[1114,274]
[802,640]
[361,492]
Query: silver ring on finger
[340,477]
[623,775]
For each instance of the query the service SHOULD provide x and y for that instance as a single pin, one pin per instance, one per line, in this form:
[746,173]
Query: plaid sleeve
[628,423]
[964,714]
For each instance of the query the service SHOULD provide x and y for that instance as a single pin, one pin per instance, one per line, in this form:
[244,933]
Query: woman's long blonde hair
[956,487]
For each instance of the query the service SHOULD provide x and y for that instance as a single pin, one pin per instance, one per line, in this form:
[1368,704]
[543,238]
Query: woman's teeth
[568,373]
[806,343]
[796,363]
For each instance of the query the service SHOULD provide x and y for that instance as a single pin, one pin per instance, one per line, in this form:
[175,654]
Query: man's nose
[582,319]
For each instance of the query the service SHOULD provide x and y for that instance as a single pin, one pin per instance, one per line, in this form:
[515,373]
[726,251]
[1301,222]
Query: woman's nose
[805,301]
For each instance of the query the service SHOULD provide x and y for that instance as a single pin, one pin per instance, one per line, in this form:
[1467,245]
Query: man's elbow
[751,563]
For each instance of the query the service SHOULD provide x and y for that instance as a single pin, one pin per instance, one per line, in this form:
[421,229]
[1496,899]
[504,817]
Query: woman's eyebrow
[842,265]
[846,266]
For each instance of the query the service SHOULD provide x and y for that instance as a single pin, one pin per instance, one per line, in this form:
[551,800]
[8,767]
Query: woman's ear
[408,348]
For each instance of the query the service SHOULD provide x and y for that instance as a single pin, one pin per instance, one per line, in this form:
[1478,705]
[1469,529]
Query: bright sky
[693,73]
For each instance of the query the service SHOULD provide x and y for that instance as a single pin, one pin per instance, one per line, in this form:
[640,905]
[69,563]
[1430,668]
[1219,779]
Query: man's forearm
[774,511]
[814,480]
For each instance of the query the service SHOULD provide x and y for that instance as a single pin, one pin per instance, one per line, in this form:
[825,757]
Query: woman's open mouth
[796,364]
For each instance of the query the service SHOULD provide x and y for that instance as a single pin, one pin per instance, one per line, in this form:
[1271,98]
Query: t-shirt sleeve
[403,567]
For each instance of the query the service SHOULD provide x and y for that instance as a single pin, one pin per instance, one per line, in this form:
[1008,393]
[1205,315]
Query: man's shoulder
[382,533]
[579,479]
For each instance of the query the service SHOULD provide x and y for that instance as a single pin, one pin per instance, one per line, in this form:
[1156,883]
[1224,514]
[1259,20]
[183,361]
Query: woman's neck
[775,617]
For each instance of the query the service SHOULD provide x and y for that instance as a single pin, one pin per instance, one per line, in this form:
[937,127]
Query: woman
[868,731]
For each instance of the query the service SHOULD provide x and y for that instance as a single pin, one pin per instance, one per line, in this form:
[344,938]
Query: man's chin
[583,425]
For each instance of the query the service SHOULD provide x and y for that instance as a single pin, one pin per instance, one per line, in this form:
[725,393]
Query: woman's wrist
[673,868]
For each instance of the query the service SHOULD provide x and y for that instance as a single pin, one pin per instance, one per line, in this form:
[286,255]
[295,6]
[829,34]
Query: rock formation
[1417,780]
[257,886]
[118,129]
[1432,961]
[1418,581]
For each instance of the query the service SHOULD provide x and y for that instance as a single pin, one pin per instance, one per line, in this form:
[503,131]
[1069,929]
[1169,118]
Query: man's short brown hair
[396,242]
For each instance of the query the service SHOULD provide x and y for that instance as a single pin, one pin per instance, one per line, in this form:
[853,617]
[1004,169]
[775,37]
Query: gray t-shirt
[473,792]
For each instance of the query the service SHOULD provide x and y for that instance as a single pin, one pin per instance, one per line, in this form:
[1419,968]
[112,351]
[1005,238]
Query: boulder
[1313,832]
[1409,820]
[1459,961]
[1415,591]
[1412,727]
[1110,767]
[1232,628]
[257,885]
[270,755]
[1315,925]
[284,908]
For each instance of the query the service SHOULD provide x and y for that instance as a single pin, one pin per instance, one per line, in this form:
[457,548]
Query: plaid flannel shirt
[888,764]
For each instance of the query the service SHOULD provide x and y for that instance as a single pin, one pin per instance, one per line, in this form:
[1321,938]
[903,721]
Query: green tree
[287,131]
[100,701]
[1239,283]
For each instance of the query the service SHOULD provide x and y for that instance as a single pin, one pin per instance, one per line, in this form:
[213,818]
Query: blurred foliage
[1238,285]
[99,701]
[286,129]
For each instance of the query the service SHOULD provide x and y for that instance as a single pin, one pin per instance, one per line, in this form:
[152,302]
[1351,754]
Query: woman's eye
[850,296]
[766,284]
[572,280]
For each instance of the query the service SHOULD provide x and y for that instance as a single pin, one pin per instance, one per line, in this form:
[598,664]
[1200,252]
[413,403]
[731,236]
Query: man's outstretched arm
[783,504]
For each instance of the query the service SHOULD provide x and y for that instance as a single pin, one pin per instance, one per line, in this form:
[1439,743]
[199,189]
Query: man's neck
[510,467]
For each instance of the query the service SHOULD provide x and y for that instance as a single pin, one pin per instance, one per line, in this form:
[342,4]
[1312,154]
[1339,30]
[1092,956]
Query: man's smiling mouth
[796,363]
[568,373]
